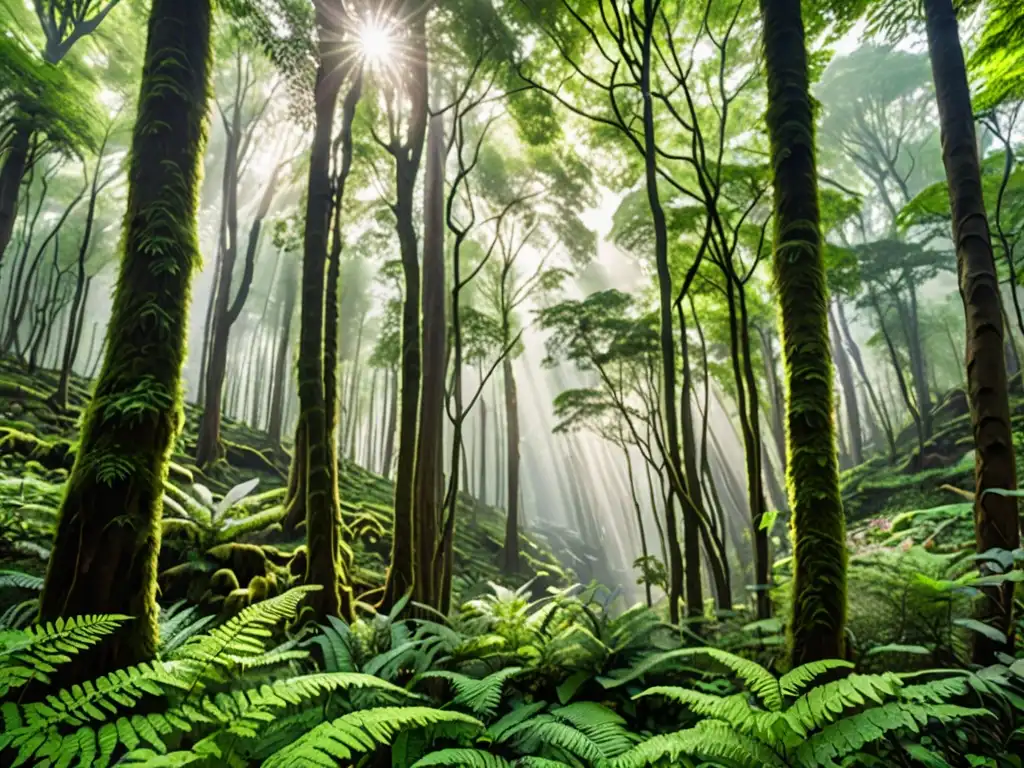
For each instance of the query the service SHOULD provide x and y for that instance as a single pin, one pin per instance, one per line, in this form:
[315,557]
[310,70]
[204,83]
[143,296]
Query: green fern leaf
[795,681]
[708,740]
[363,731]
[481,696]
[463,758]
[852,733]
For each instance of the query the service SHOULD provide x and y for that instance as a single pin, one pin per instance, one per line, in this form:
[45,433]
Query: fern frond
[243,636]
[795,681]
[503,729]
[540,762]
[852,733]
[363,731]
[547,731]
[824,704]
[34,652]
[734,710]
[756,678]
[35,729]
[480,696]
[463,758]
[708,740]
[607,729]
[19,580]
[178,624]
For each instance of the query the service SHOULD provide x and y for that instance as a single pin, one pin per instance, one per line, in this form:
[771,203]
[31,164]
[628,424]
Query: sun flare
[376,42]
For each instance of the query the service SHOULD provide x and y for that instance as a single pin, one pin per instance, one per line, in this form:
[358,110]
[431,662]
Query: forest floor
[211,549]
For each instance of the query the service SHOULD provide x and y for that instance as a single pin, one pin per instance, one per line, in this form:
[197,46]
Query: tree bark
[849,392]
[429,454]
[510,552]
[817,626]
[996,522]
[289,286]
[401,573]
[108,531]
[10,181]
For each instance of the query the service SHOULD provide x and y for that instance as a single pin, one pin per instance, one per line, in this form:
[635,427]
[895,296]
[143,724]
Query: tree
[996,522]
[108,531]
[818,619]
[47,100]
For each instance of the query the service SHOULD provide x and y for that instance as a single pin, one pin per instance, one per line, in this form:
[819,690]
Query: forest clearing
[511,383]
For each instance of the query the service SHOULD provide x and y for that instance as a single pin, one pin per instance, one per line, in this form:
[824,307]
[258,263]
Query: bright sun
[376,42]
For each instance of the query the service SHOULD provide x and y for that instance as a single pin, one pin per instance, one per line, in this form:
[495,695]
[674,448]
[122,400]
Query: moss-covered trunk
[996,522]
[108,534]
[817,625]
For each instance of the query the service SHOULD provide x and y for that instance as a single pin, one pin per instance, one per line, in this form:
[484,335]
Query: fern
[795,681]
[780,727]
[33,653]
[363,731]
[852,733]
[178,624]
[481,697]
[19,580]
[462,758]
[243,637]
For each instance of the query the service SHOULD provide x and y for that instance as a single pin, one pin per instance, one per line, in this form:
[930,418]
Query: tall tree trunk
[817,627]
[694,512]
[108,531]
[227,310]
[392,425]
[429,454]
[858,361]
[288,288]
[996,522]
[849,392]
[313,484]
[401,573]
[510,552]
[10,180]
[665,299]
[481,489]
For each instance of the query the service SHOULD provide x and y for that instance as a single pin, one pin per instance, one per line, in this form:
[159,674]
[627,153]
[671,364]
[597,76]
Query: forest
[511,383]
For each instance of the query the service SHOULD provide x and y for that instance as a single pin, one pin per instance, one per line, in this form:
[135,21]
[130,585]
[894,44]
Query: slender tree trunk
[11,174]
[429,453]
[852,408]
[481,489]
[371,422]
[226,310]
[510,552]
[908,398]
[694,512]
[389,432]
[996,522]
[401,573]
[817,627]
[289,285]
[665,299]
[313,484]
[108,531]
[858,361]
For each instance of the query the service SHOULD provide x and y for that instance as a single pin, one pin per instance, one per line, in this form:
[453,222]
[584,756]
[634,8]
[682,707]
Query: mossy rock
[236,602]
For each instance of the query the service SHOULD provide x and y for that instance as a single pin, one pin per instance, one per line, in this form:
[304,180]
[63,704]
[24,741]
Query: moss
[237,601]
[223,581]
